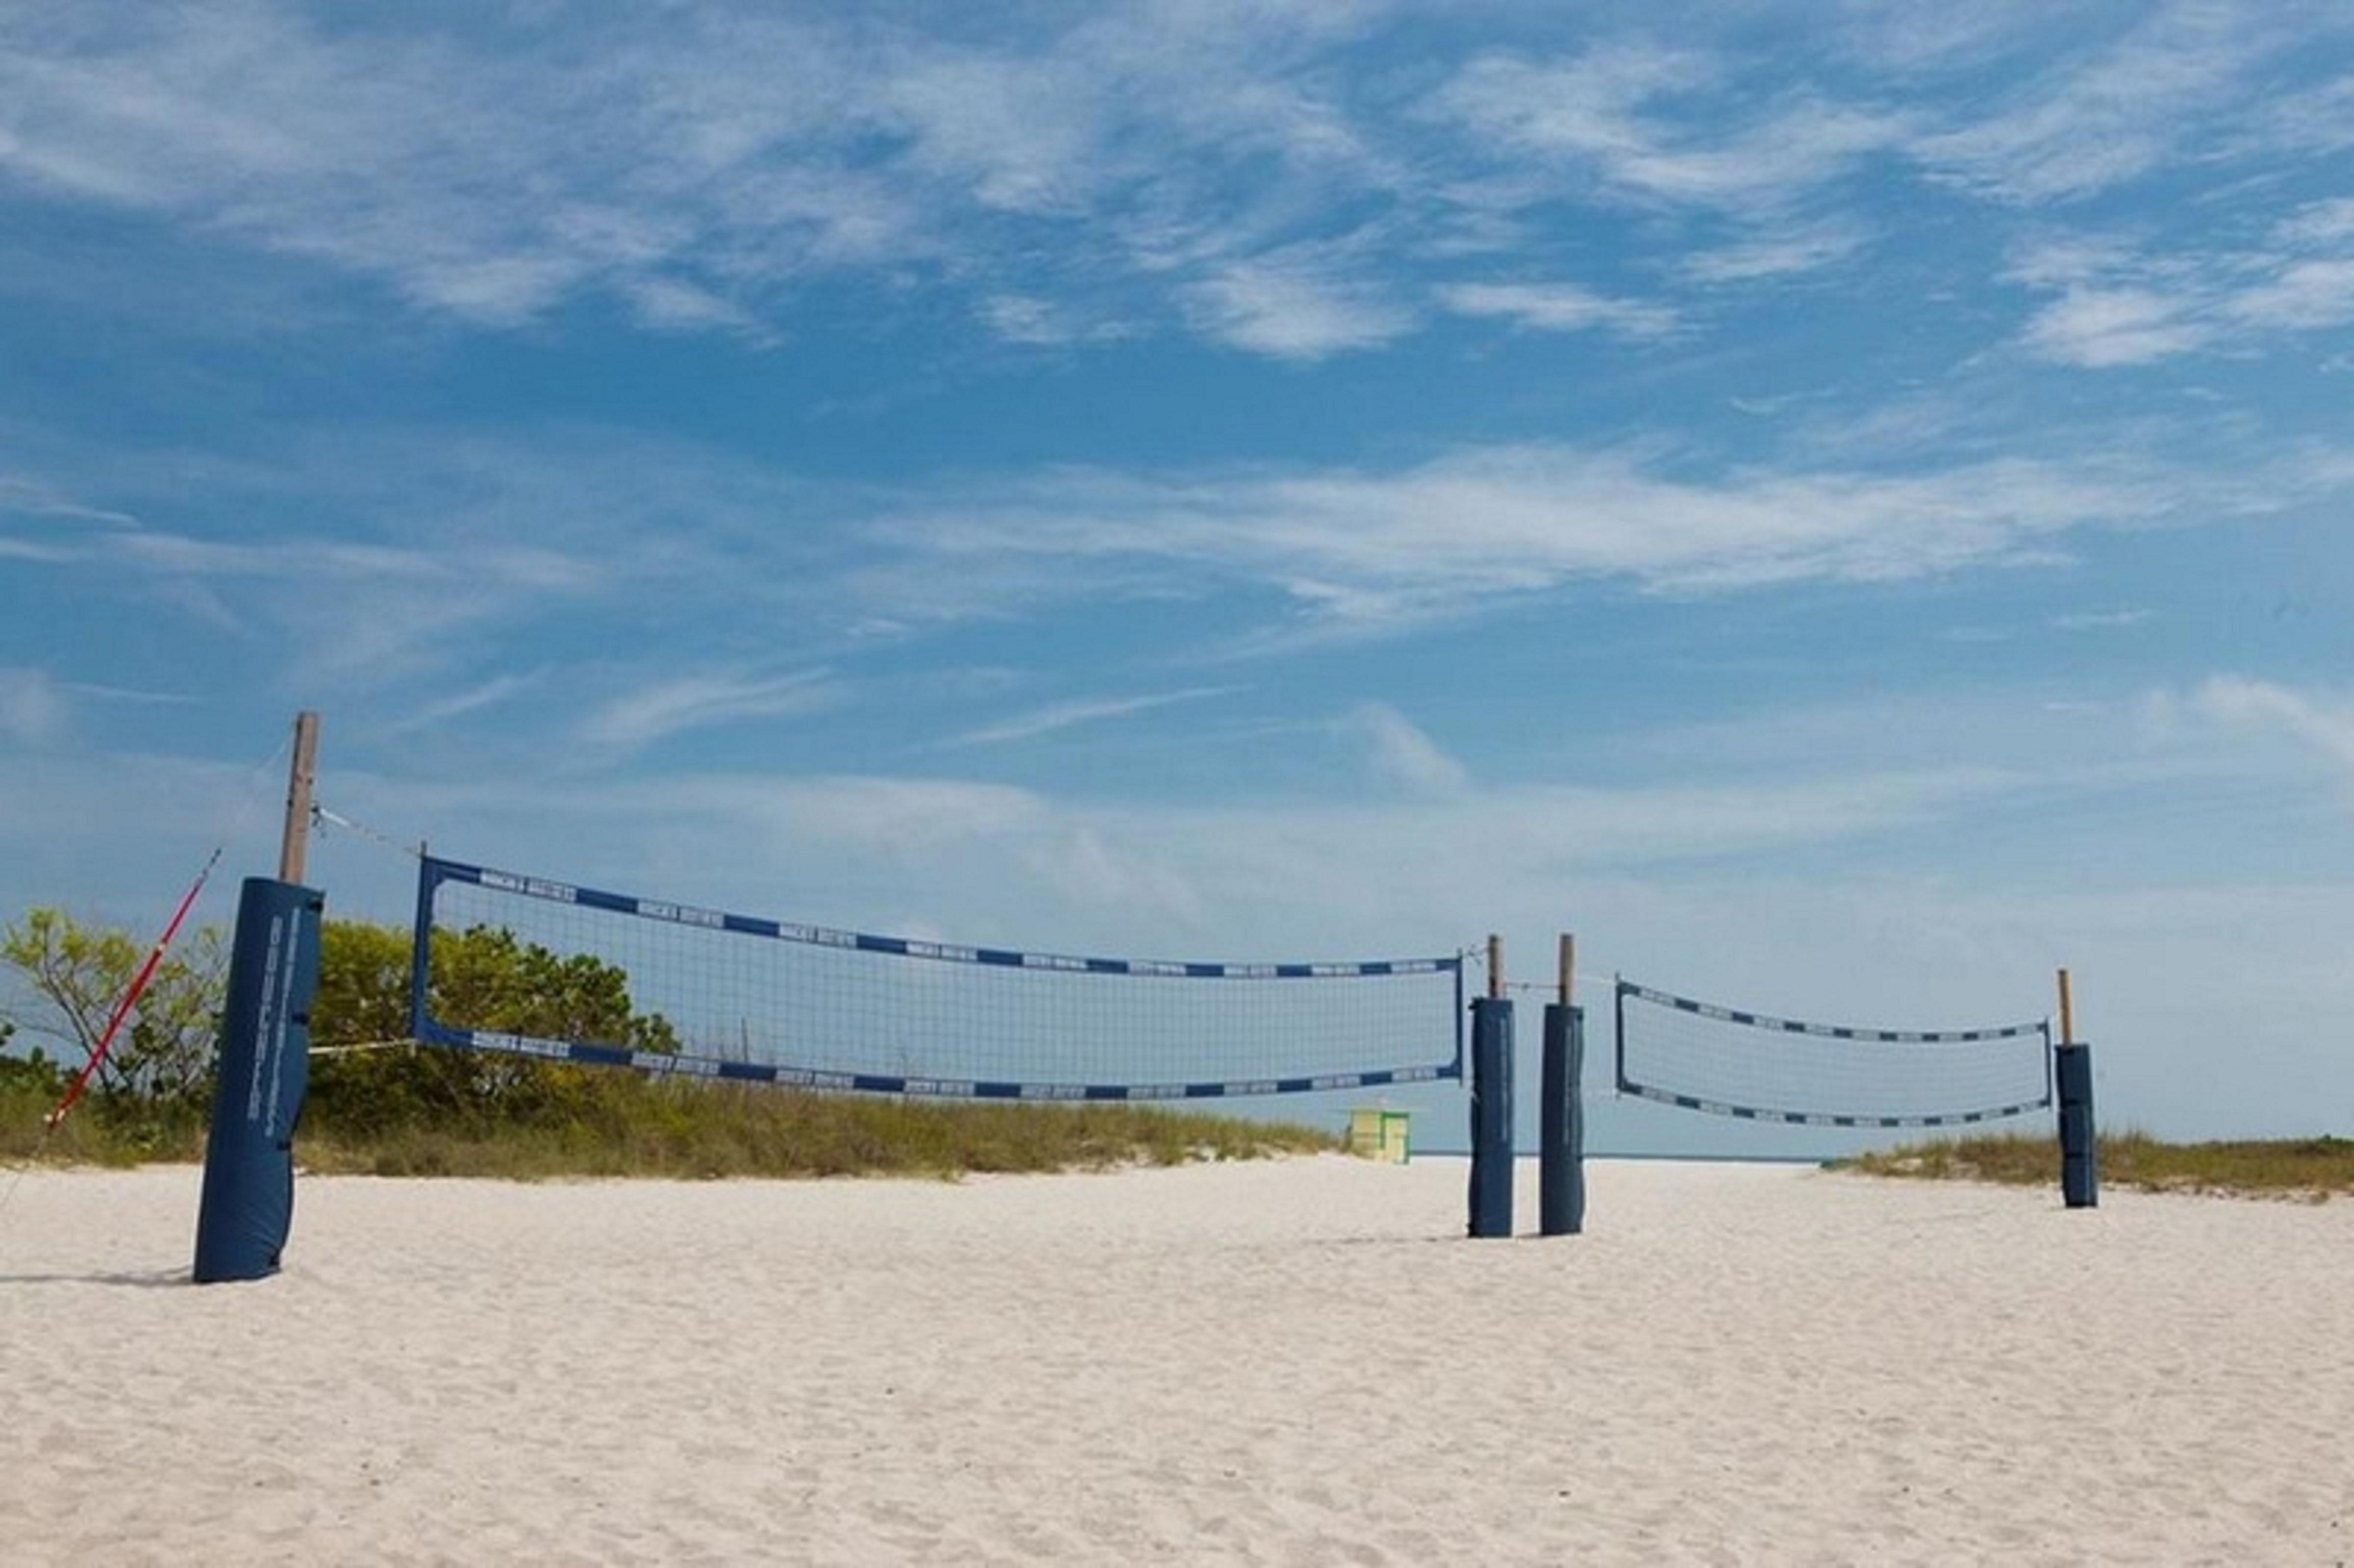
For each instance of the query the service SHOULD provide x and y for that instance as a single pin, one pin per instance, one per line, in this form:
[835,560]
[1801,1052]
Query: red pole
[130,998]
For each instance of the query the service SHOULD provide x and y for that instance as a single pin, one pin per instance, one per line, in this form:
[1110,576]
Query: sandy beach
[1299,1361]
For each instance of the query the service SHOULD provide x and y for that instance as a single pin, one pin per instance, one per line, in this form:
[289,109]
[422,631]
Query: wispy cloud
[2100,328]
[2324,725]
[668,707]
[2313,119]
[2099,120]
[27,550]
[473,699]
[480,546]
[1622,114]
[32,709]
[2123,305]
[1303,303]
[1777,250]
[1381,550]
[1059,717]
[1402,753]
[363,612]
[2301,296]
[29,498]
[1260,174]
[695,165]
[1918,34]
[1032,319]
[2325,224]
[2100,619]
[1559,307]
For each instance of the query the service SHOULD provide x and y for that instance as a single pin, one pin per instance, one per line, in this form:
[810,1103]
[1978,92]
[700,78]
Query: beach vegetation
[380,1104]
[153,1083]
[367,1081]
[2313,1168]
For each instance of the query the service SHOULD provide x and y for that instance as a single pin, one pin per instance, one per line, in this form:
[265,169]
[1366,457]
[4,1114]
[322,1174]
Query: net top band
[435,869]
[1628,988]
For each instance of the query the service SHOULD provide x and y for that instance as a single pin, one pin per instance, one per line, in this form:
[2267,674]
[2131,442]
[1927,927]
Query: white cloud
[2322,223]
[2301,296]
[1402,753]
[27,550]
[483,694]
[1915,34]
[28,498]
[2322,725]
[33,711]
[1067,715]
[1380,550]
[1779,251]
[697,165]
[2311,119]
[1605,112]
[2122,304]
[1303,303]
[668,707]
[360,612]
[1559,307]
[1585,106]
[1258,173]
[474,547]
[671,304]
[1043,322]
[2096,122]
[896,814]
[1092,868]
[2099,328]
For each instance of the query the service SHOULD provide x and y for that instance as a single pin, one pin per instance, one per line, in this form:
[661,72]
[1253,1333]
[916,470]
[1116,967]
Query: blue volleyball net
[671,988]
[1700,1056]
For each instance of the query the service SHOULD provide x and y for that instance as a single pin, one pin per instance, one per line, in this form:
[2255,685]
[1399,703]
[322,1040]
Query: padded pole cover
[1560,1143]
[2080,1162]
[1491,1116]
[265,1068]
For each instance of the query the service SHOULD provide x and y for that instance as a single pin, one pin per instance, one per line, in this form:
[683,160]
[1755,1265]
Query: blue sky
[1845,505]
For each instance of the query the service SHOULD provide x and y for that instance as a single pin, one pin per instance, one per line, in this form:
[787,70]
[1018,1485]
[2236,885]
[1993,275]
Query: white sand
[1294,1362]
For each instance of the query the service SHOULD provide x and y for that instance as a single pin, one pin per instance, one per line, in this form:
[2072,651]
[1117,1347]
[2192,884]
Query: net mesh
[742,997]
[1703,1057]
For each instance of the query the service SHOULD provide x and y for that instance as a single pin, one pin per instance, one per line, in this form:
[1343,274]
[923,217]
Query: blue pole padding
[1561,1144]
[1491,1116]
[248,1206]
[2080,1160]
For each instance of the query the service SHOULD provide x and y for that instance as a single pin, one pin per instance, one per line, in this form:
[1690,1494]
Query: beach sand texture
[1297,1362]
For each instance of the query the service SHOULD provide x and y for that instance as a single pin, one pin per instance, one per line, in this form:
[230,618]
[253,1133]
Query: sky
[1843,505]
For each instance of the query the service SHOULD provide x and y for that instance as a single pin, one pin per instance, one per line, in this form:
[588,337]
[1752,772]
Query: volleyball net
[1700,1056]
[663,986]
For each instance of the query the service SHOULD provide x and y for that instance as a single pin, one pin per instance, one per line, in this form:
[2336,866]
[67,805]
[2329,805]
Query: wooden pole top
[2067,1012]
[1495,965]
[302,774]
[1568,967]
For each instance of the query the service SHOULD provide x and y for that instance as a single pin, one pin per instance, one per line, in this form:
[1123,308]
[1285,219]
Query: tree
[486,978]
[33,1071]
[162,1054]
[483,978]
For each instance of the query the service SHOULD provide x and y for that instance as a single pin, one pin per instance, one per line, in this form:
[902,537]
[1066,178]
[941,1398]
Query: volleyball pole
[1560,1143]
[2072,1066]
[1492,1102]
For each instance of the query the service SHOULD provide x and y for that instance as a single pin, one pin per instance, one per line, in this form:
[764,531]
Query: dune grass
[2312,1168]
[703,1131]
[632,1126]
[91,1136]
